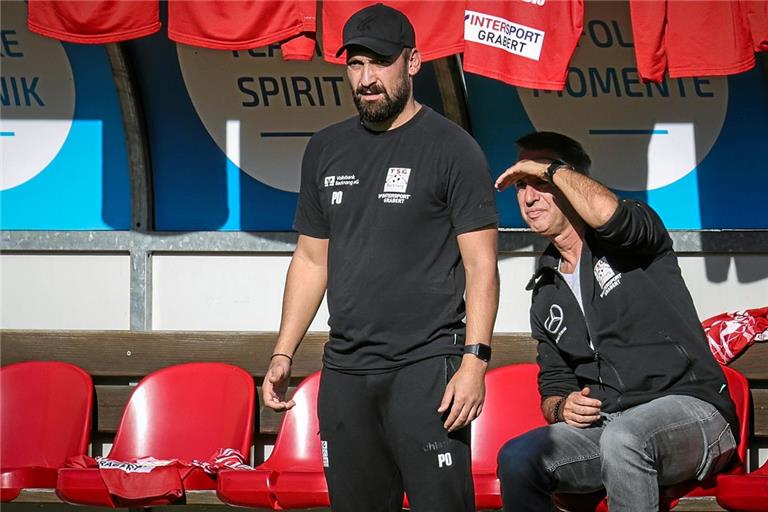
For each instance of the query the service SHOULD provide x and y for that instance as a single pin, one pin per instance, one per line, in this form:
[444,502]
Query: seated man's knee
[618,444]
[522,455]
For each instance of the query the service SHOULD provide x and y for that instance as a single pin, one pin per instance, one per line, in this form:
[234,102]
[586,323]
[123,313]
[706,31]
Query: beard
[387,107]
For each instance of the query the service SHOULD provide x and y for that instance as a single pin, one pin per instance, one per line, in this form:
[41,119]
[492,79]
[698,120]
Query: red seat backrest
[738,386]
[188,411]
[45,413]
[512,407]
[297,447]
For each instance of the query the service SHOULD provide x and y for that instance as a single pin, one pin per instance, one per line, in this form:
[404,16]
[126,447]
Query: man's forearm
[304,289]
[591,200]
[479,252]
[482,297]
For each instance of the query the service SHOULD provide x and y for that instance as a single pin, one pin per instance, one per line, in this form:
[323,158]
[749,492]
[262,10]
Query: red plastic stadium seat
[744,493]
[292,477]
[46,417]
[512,407]
[181,412]
[669,496]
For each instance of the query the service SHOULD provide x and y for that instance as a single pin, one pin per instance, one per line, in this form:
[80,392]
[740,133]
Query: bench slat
[136,354]
[760,411]
[111,401]
[699,504]
[754,362]
[209,498]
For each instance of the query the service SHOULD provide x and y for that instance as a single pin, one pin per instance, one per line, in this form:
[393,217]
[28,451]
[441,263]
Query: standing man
[396,218]
[633,395]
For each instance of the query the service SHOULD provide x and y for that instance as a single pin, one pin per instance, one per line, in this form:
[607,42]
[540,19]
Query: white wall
[244,292]
[724,283]
[64,291]
[220,293]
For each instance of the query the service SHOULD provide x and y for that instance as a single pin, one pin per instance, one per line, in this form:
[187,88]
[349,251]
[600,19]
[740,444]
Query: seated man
[633,396]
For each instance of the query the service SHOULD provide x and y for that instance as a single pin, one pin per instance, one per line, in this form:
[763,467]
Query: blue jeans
[629,454]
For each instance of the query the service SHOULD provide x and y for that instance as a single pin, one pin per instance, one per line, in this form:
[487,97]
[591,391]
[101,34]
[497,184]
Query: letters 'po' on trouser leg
[662,442]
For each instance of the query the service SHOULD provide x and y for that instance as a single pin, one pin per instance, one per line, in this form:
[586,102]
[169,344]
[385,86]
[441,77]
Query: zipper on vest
[586,324]
[597,359]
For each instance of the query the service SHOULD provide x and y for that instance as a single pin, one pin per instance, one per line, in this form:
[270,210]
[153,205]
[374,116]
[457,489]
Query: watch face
[553,167]
[480,350]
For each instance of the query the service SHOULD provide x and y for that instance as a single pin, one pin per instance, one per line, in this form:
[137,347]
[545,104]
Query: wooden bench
[118,359]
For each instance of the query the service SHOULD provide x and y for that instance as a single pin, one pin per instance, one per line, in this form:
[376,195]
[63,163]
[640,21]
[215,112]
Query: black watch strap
[553,168]
[481,350]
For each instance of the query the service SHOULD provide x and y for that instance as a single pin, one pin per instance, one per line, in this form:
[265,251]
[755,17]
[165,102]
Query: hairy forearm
[591,200]
[304,289]
[549,406]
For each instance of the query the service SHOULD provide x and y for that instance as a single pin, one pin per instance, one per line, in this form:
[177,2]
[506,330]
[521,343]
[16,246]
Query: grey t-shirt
[574,283]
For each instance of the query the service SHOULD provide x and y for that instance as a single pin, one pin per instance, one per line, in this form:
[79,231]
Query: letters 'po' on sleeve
[310,219]
[471,197]
[636,226]
[556,378]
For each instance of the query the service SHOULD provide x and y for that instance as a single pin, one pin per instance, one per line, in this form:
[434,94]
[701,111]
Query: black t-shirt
[391,204]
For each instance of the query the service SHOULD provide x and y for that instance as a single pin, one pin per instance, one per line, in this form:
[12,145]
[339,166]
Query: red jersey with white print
[93,21]
[528,43]
[730,334]
[438,25]
[238,24]
[148,481]
[691,38]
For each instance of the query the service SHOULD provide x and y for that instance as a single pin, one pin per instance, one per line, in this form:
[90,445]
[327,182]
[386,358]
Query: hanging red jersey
[757,14]
[93,21]
[691,38]
[438,25]
[528,43]
[237,24]
[302,47]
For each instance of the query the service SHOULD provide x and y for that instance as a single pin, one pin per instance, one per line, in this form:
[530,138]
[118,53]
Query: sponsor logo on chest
[606,277]
[396,186]
[339,180]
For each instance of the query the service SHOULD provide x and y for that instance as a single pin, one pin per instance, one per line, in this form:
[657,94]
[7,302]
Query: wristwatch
[553,168]
[480,350]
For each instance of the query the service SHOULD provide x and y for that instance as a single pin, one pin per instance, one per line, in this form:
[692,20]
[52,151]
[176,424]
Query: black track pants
[382,434]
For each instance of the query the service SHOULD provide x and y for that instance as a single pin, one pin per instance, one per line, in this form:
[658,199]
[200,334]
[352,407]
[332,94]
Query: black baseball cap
[379,28]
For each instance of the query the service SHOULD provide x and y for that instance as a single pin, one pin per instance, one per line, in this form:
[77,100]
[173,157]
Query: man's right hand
[276,384]
[581,411]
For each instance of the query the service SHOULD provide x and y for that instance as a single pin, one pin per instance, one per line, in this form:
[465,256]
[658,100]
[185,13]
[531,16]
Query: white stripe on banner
[233,141]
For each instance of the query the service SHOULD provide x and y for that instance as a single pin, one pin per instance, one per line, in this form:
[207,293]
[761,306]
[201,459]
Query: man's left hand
[464,394]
